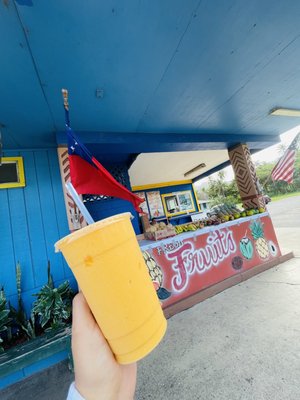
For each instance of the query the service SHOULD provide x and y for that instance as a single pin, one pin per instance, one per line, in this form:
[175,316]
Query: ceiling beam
[118,142]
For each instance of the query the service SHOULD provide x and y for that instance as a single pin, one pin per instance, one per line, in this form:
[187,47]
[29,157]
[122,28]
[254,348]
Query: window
[178,203]
[12,172]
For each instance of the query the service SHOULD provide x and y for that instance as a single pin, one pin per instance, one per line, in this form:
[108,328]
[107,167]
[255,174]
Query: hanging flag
[88,176]
[284,169]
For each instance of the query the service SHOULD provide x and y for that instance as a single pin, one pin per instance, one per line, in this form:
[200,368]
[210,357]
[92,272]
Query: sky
[271,154]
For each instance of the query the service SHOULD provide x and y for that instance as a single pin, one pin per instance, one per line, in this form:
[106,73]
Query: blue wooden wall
[32,219]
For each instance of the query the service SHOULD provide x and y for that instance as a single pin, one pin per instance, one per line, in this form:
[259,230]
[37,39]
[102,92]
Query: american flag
[284,169]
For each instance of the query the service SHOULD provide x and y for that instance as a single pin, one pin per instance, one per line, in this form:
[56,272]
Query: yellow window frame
[163,196]
[20,172]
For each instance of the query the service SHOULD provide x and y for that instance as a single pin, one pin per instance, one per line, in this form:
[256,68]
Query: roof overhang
[156,168]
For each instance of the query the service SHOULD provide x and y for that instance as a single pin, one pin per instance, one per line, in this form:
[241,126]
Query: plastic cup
[109,267]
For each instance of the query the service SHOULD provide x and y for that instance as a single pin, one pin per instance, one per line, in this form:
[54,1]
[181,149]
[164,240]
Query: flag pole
[70,188]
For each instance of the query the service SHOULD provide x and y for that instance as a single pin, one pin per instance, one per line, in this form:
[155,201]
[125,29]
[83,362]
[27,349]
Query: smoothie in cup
[110,270]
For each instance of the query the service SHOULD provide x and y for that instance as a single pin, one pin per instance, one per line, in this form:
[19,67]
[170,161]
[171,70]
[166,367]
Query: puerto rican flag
[88,176]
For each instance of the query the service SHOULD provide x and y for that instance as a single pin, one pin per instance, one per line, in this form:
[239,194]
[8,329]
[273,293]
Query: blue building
[148,83]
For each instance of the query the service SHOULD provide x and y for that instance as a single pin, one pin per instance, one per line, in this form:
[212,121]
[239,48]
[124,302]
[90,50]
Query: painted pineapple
[153,268]
[156,275]
[261,244]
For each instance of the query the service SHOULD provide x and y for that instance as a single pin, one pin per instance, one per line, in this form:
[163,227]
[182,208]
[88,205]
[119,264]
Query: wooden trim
[164,205]
[220,286]
[20,172]
[159,185]
[251,197]
[35,350]
[196,197]
[75,218]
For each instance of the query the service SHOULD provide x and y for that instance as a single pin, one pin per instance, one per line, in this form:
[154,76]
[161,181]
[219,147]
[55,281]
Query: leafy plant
[19,316]
[5,320]
[274,188]
[53,305]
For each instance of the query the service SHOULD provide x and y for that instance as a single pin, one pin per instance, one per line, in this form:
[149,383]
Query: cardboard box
[169,231]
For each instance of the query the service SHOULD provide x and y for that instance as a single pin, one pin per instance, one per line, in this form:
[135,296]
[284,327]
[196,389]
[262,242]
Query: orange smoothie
[109,267]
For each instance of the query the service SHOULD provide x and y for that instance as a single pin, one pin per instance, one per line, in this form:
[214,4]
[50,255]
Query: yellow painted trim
[159,185]
[196,197]
[164,205]
[179,212]
[21,175]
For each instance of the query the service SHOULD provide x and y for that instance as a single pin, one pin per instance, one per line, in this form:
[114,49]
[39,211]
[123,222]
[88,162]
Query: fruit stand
[199,258]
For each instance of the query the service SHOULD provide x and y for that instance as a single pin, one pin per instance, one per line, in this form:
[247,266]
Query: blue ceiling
[170,75]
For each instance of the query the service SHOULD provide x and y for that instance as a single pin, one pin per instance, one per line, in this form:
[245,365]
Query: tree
[264,170]
[220,191]
[281,148]
[233,191]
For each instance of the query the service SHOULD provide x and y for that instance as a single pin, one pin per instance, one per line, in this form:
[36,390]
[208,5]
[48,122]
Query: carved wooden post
[75,218]
[246,177]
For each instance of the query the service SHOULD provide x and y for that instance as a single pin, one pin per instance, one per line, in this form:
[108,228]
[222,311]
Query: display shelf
[202,231]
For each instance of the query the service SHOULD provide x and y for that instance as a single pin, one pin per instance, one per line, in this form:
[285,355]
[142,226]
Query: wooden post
[246,177]
[75,218]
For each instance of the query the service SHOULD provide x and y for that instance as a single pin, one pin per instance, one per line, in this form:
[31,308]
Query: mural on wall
[246,247]
[155,204]
[191,262]
[156,274]
[261,245]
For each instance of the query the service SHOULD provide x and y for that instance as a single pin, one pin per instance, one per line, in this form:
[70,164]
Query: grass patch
[284,196]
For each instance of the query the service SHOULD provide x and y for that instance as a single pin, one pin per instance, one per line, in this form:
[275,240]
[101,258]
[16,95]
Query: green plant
[53,305]
[27,326]
[5,320]
[221,192]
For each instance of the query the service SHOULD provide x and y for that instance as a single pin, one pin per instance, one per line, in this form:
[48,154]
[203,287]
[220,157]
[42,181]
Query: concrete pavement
[289,240]
[285,216]
[241,344]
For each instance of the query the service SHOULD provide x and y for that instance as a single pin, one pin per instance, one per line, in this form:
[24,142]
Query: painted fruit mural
[237,263]
[246,248]
[156,275]
[261,244]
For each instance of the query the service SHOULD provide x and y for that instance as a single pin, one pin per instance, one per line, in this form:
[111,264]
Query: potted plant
[5,320]
[53,306]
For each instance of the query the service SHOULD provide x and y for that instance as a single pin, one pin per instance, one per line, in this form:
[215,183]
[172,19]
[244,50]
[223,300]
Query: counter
[193,261]
[184,218]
